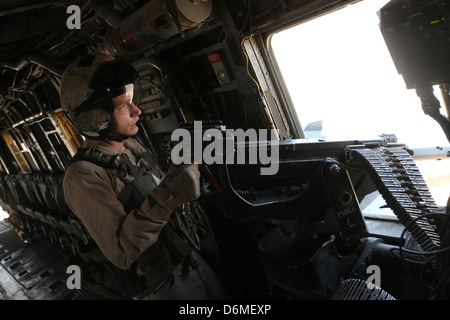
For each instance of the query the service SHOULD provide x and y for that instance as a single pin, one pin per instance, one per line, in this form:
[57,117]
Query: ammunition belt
[402,186]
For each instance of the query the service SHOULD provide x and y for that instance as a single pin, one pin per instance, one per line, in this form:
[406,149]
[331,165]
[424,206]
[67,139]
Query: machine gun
[311,208]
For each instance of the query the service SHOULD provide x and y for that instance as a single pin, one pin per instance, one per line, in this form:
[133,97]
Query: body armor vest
[153,268]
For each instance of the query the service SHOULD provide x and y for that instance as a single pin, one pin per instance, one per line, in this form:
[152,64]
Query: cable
[244,24]
[246,58]
[212,178]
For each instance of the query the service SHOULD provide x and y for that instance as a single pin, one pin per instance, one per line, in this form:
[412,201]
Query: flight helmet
[87,88]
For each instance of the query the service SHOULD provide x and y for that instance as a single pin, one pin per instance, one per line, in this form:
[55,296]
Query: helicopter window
[344,85]
[340,74]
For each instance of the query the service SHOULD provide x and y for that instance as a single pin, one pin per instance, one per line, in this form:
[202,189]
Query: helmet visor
[111,79]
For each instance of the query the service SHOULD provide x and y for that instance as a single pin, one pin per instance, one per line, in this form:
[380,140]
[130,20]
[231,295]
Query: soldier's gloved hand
[180,185]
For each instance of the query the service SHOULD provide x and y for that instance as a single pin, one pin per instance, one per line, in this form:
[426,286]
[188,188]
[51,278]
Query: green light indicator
[437,20]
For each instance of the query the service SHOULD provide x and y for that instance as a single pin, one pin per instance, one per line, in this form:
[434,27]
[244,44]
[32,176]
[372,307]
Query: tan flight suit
[91,193]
